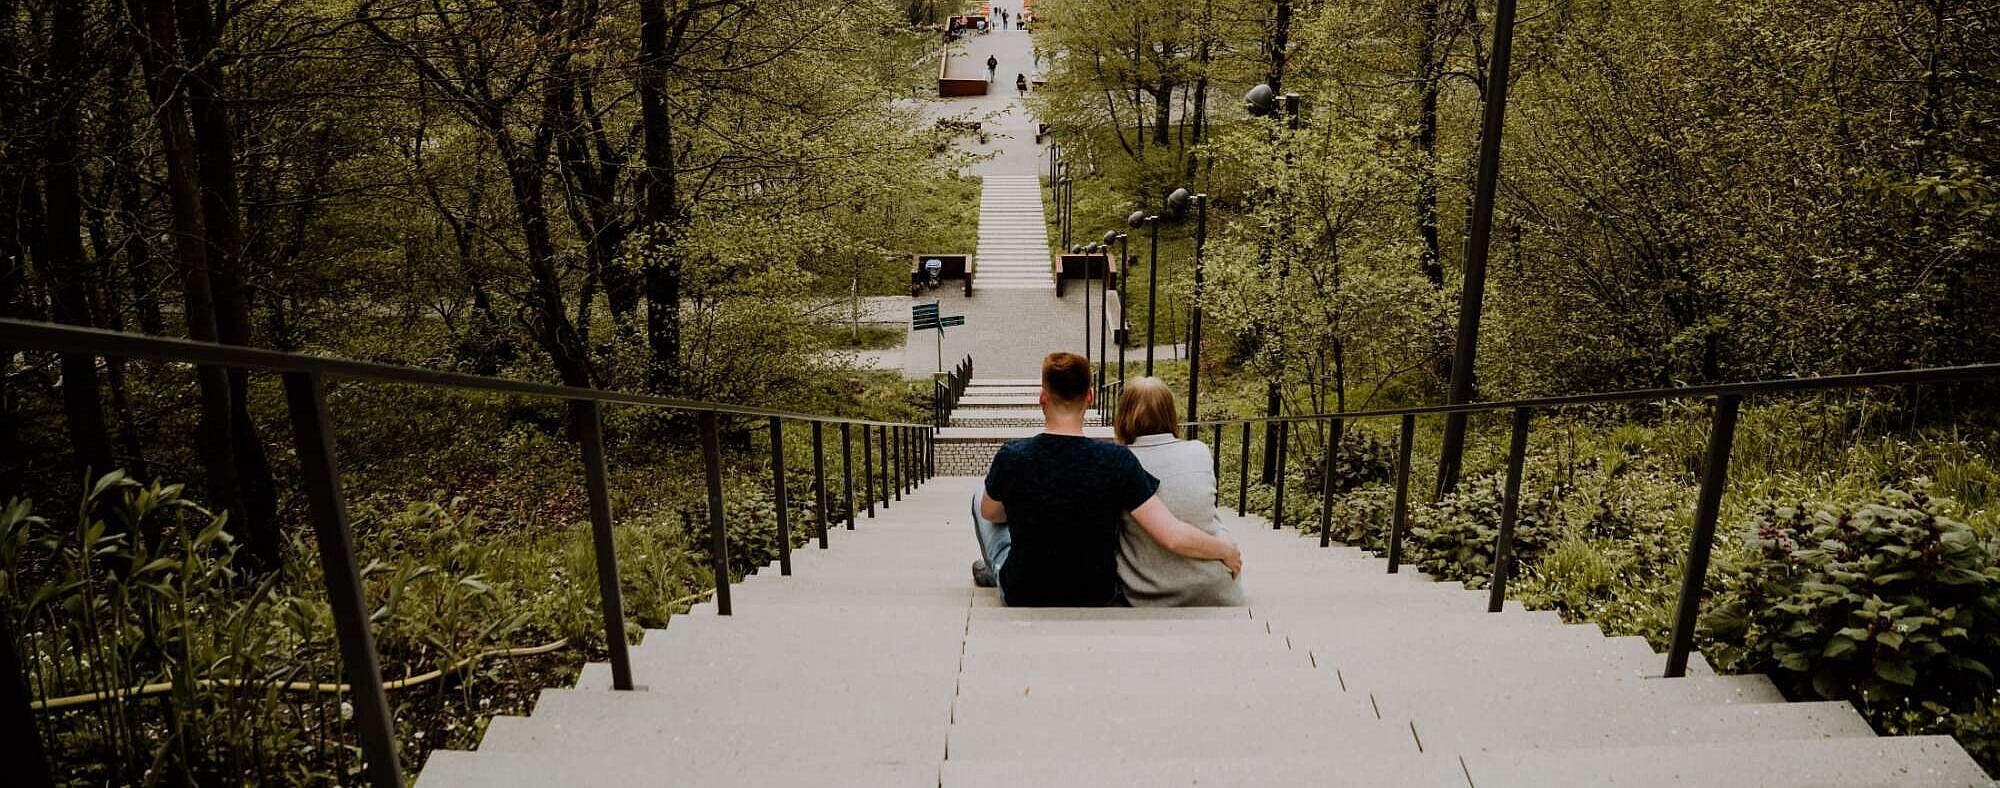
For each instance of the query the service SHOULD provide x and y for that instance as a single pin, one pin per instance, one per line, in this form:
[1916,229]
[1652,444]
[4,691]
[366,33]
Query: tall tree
[67,271]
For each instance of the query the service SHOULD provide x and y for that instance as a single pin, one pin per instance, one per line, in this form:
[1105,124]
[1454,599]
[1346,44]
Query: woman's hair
[1145,408]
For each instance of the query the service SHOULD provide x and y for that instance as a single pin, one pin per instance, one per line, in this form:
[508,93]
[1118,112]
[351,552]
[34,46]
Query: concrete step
[1176,724]
[650,765]
[1822,763]
[1605,725]
[1002,434]
[1229,772]
[1507,702]
[885,730]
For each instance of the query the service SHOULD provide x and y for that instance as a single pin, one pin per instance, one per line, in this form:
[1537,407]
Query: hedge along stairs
[878,664]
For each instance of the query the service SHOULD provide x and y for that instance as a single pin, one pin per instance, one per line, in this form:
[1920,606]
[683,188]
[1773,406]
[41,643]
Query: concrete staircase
[878,664]
[1013,238]
[992,412]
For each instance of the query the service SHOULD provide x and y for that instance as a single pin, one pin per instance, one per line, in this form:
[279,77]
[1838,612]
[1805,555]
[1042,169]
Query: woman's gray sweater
[1154,576]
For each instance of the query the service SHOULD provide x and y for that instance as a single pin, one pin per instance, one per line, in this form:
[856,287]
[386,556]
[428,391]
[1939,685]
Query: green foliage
[1454,538]
[1884,601]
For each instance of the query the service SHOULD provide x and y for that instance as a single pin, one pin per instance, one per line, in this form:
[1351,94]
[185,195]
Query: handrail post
[1510,508]
[1708,503]
[1243,474]
[868,469]
[1215,457]
[312,434]
[20,740]
[883,447]
[718,534]
[783,498]
[1278,479]
[1326,484]
[847,473]
[896,446]
[589,419]
[1400,518]
[819,480]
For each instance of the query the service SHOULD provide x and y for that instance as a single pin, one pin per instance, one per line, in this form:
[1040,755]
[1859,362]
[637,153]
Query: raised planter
[956,266]
[950,87]
[1081,266]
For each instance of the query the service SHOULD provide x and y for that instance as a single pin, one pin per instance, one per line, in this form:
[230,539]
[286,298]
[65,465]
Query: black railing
[911,461]
[1107,401]
[1728,398]
[946,390]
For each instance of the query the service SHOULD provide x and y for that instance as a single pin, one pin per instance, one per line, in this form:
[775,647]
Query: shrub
[1886,602]
[1454,537]
[1359,460]
[1362,517]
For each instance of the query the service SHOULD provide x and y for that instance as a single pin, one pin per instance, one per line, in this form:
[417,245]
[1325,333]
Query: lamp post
[1124,326]
[1151,221]
[1088,249]
[1178,202]
[1063,204]
[1263,101]
[1104,311]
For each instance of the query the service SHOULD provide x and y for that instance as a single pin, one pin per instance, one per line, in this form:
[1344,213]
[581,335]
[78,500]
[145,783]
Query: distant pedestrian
[1021,83]
[992,67]
[1003,19]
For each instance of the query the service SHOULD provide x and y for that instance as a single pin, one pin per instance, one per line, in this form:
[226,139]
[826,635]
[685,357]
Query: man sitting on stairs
[1049,518]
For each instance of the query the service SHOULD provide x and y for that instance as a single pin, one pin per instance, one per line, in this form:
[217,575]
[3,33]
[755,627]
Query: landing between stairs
[878,664]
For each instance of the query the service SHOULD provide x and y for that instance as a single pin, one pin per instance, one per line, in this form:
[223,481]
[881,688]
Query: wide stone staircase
[992,412]
[1013,251]
[878,664]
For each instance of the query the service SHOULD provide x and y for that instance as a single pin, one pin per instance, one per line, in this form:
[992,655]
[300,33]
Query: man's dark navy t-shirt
[1065,497]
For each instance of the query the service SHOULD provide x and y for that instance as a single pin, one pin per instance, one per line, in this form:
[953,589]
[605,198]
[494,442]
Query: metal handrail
[1728,399]
[1903,377]
[1107,401]
[20,335]
[946,393]
[907,459]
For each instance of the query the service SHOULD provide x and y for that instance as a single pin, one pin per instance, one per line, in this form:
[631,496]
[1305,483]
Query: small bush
[1454,537]
[1886,602]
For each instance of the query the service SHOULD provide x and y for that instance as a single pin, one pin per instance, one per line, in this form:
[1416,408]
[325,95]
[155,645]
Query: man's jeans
[996,541]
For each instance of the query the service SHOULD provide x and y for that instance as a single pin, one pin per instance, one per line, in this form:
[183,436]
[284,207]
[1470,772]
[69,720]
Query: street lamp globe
[1261,100]
[1178,201]
[1137,219]
[1110,237]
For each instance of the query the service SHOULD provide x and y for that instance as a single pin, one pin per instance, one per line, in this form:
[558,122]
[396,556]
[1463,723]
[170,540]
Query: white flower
[346,711]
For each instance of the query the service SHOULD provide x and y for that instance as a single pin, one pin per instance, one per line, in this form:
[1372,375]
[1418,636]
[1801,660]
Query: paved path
[1013,319]
[878,664]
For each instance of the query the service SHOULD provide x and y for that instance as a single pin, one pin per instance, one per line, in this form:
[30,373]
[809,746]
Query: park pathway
[878,664]
[1013,319]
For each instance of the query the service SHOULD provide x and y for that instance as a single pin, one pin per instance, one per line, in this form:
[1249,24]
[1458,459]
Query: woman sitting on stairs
[1151,575]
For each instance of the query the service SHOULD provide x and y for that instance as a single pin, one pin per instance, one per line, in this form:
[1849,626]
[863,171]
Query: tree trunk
[658,205]
[163,79]
[65,267]
[215,157]
[548,320]
[1428,76]
[1281,30]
